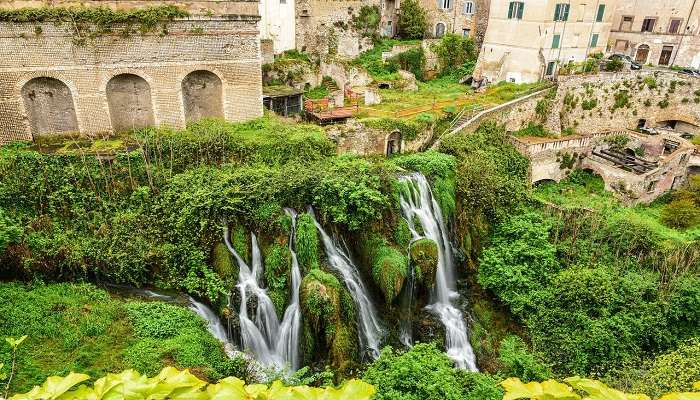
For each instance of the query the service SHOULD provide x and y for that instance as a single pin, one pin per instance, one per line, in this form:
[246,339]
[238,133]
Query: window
[468,8]
[283,1]
[555,41]
[439,30]
[550,68]
[445,4]
[626,23]
[601,13]
[666,53]
[674,26]
[594,40]
[515,10]
[466,32]
[561,12]
[648,24]
[621,45]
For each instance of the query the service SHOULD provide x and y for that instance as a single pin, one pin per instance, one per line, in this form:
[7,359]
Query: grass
[78,327]
[447,90]
[581,191]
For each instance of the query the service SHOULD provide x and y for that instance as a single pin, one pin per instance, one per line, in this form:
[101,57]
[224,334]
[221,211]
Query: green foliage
[454,51]
[306,243]
[533,130]
[518,361]
[10,232]
[77,327]
[171,383]
[412,60]
[663,104]
[366,21]
[681,213]
[104,19]
[650,82]
[315,93]
[278,262]
[413,21]
[622,99]
[409,129]
[491,175]
[424,372]
[589,104]
[617,142]
[223,263]
[614,65]
[675,371]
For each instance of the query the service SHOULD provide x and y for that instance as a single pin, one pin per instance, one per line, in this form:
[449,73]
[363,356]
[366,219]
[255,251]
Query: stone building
[52,80]
[462,17]
[528,40]
[658,32]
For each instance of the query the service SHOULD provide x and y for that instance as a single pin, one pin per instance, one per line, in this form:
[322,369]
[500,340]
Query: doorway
[665,58]
[642,54]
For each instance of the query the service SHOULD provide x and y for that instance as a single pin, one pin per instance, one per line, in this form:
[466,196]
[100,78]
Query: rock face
[408,81]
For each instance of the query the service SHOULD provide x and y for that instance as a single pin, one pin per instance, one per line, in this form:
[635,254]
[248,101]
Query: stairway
[329,84]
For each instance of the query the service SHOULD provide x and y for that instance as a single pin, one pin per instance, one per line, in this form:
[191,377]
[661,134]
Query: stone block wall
[667,101]
[81,71]
[194,7]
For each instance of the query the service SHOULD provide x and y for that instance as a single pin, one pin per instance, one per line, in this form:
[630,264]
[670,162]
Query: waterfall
[273,343]
[419,203]
[406,306]
[369,326]
[214,325]
[288,344]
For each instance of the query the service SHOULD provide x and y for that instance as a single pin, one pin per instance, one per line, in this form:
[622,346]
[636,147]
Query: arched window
[49,105]
[202,96]
[129,100]
[439,30]
[393,143]
[468,8]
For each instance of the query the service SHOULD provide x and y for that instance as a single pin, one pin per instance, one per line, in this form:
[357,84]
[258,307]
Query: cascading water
[288,344]
[273,344]
[369,326]
[214,325]
[420,204]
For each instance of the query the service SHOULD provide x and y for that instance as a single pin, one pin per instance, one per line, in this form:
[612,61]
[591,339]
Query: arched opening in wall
[49,105]
[588,178]
[544,182]
[694,170]
[642,54]
[393,143]
[679,126]
[202,95]
[439,30]
[129,101]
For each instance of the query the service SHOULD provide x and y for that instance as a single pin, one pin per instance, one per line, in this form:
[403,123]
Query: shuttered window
[601,13]
[555,41]
[561,12]
[515,10]
[594,40]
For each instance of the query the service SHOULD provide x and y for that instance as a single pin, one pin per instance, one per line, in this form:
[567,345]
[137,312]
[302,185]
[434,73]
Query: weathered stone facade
[117,82]
[658,32]
[195,7]
[596,103]
[360,139]
[462,17]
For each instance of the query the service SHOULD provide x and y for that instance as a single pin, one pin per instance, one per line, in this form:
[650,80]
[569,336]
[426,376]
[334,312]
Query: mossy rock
[306,243]
[241,242]
[402,234]
[389,269]
[223,263]
[424,258]
[343,347]
[320,299]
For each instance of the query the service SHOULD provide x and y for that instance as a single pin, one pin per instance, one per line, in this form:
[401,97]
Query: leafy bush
[681,213]
[366,21]
[413,22]
[519,362]
[424,372]
[454,51]
[675,371]
[9,231]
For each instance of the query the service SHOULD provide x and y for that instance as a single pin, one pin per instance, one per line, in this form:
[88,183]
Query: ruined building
[528,40]
[658,32]
[56,78]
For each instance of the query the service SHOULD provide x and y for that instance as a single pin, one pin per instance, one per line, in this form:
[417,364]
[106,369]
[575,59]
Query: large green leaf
[680,396]
[227,389]
[547,390]
[54,387]
[599,391]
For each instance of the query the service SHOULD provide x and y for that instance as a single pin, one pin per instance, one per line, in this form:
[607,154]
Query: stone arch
[202,95]
[543,181]
[129,101]
[440,28]
[393,143]
[49,105]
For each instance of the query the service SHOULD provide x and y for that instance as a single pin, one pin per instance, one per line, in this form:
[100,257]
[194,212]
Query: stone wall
[359,139]
[195,7]
[155,66]
[667,101]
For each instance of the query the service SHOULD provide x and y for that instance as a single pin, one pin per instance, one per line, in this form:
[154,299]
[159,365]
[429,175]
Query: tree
[454,51]
[412,20]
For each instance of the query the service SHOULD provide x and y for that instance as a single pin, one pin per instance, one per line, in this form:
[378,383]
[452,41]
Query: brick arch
[202,95]
[49,106]
[130,103]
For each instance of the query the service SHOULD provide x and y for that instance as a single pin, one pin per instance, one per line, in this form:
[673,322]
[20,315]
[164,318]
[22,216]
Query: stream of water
[369,325]
[420,205]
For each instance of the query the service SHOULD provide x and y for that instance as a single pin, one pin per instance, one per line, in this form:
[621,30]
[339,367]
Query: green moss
[343,347]
[223,262]
[444,193]
[320,298]
[402,234]
[389,265]
[278,261]
[239,241]
[424,258]
[306,243]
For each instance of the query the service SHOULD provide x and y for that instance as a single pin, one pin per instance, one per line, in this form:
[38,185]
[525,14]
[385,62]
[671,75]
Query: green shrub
[413,22]
[518,361]
[681,213]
